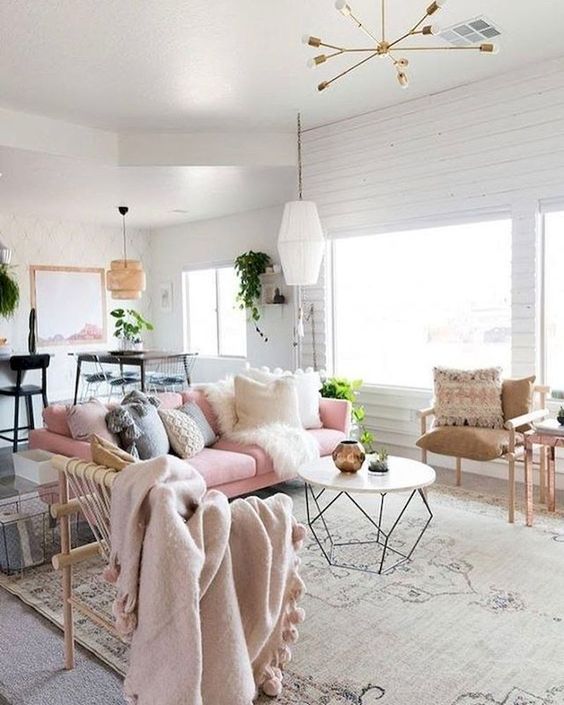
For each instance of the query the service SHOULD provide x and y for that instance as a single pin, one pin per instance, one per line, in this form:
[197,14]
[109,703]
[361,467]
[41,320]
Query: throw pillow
[468,397]
[221,396]
[517,398]
[108,454]
[186,439]
[139,426]
[87,419]
[258,404]
[308,384]
[197,415]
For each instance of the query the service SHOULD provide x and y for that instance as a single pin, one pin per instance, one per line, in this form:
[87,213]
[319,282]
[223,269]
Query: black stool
[20,364]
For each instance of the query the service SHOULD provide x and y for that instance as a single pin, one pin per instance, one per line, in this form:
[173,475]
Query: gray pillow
[197,415]
[139,427]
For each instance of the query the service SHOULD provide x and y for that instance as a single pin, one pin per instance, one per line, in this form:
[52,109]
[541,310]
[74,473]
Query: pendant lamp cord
[124,243]
[300,181]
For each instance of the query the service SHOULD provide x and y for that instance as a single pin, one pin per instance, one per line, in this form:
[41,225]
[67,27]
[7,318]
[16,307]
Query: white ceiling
[225,66]
[68,189]
[232,65]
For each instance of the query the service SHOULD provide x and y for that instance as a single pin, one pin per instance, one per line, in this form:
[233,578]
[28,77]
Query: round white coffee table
[404,475]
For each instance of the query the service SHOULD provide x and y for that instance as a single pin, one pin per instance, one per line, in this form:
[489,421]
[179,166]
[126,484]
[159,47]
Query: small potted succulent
[560,416]
[379,461]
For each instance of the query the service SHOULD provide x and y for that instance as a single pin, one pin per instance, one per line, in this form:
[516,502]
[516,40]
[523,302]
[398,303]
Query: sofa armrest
[335,414]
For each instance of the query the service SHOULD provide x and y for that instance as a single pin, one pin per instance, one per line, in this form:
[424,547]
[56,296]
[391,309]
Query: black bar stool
[20,364]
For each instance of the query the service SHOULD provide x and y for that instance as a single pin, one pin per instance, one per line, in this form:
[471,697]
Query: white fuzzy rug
[476,619]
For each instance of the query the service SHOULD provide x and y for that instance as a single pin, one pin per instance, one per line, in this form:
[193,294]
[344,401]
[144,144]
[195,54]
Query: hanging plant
[249,266]
[9,292]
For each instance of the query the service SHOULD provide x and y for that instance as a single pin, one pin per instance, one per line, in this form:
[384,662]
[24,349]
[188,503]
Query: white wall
[209,242]
[49,242]
[497,145]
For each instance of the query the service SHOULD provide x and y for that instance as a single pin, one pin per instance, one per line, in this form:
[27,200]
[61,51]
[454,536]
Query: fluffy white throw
[287,446]
[207,591]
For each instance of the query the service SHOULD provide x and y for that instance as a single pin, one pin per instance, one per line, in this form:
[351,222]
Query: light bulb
[343,8]
[431,29]
[489,48]
[403,80]
[401,63]
[311,41]
[322,86]
[312,63]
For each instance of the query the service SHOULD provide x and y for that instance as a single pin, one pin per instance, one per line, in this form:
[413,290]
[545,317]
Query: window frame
[461,218]
[215,266]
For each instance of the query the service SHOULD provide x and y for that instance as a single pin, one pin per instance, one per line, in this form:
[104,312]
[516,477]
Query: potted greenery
[9,292]
[560,416]
[379,461]
[249,267]
[343,388]
[129,325]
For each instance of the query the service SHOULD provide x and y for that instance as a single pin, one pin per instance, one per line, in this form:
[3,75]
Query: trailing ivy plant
[343,388]
[249,266]
[9,292]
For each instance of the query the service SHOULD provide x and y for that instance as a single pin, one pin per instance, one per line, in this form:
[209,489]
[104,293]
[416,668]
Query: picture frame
[165,297]
[70,303]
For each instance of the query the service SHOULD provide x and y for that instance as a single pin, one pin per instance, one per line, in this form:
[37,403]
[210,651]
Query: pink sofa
[232,468]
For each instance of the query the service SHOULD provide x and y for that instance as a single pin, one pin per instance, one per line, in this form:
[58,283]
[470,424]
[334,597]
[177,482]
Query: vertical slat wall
[497,145]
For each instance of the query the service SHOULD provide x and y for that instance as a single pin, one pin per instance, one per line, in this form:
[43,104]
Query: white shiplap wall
[494,146]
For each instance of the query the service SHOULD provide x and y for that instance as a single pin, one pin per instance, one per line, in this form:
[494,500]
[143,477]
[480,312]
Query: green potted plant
[249,267]
[128,328]
[9,292]
[560,416]
[343,388]
[379,461]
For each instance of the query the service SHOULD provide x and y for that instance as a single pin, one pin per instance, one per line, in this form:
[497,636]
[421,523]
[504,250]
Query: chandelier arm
[361,26]
[436,49]
[413,30]
[383,20]
[330,46]
[351,68]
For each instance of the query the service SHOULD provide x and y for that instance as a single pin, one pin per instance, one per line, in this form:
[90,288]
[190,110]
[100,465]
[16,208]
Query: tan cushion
[466,442]
[517,398]
[108,454]
[258,404]
[184,435]
[468,397]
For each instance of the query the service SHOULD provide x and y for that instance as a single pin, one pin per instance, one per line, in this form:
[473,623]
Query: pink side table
[549,435]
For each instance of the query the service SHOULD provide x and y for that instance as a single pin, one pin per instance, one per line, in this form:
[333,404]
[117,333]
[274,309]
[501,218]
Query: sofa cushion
[467,442]
[169,400]
[517,398]
[139,426]
[263,461]
[87,419]
[55,419]
[219,467]
[327,439]
[184,435]
[198,396]
[468,397]
[258,404]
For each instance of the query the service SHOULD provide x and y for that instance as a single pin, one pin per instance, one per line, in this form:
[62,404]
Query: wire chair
[94,380]
[171,374]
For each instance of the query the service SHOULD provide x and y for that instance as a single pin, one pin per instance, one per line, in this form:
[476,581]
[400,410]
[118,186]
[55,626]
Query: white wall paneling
[487,149]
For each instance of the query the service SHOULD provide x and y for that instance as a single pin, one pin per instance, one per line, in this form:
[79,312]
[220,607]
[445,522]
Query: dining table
[133,358]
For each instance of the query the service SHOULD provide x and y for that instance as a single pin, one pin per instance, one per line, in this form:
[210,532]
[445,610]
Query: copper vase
[349,456]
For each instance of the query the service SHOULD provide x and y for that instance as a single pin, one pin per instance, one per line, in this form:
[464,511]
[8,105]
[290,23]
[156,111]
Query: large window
[407,301]
[554,300]
[215,325]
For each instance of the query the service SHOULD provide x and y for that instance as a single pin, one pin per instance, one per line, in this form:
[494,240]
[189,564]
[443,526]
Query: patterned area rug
[477,617]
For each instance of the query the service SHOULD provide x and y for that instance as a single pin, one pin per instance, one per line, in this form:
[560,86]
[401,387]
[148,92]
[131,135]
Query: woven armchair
[485,444]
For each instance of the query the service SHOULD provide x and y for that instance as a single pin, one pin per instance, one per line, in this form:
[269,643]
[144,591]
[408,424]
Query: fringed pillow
[468,397]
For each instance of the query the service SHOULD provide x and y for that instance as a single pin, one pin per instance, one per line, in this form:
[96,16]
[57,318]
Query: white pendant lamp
[125,278]
[300,241]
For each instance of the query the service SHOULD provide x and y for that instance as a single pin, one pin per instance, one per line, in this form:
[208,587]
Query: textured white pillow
[258,404]
[184,434]
[221,396]
[308,384]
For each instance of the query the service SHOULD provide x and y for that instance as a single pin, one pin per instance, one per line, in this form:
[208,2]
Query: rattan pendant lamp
[125,278]
[300,240]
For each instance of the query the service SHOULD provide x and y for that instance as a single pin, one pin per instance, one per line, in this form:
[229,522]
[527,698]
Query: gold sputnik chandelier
[384,47]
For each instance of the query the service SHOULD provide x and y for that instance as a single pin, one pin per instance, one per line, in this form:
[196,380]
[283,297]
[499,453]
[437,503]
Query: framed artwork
[165,297]
[70,303]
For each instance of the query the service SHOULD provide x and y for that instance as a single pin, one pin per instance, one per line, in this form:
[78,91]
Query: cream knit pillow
[468,397]
[184,435]
[258,404]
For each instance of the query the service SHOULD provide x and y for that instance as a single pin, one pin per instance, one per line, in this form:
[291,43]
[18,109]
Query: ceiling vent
[470,32]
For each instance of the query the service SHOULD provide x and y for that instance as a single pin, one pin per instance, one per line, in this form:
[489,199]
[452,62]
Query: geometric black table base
[316,514]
